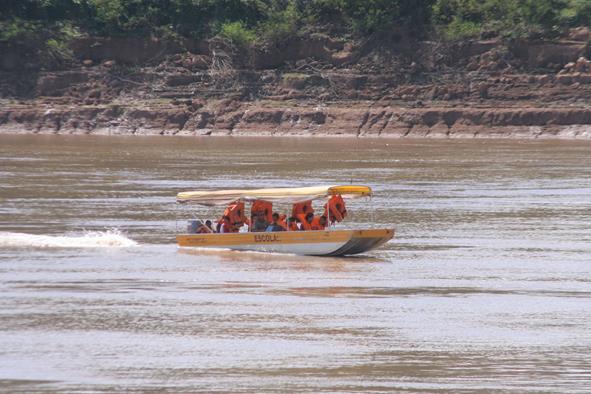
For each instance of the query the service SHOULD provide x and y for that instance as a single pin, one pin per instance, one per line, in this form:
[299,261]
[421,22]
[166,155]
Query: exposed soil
[316,86]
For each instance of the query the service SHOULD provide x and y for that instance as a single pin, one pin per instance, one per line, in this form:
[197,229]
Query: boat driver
[260,223]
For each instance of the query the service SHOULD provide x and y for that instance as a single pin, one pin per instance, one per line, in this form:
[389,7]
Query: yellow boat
[329,242]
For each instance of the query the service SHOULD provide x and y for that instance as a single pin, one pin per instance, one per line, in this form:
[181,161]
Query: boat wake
[89,239]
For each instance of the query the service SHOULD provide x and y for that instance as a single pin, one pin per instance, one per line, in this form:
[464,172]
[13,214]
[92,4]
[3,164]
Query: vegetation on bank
[513,18]
[246,22]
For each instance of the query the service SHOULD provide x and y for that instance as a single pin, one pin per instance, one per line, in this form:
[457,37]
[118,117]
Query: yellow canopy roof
[286,195]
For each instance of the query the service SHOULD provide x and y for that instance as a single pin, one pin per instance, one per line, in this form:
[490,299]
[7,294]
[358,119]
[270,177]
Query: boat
[328,242]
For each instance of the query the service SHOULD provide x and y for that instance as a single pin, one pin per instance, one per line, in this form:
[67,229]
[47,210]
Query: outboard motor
[192,226]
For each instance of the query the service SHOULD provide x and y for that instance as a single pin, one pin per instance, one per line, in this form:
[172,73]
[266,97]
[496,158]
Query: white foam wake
[89,239]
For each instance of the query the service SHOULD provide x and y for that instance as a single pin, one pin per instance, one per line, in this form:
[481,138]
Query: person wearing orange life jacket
[318,223]
[265,207]
[306,220]
[304,207]
[235,213]
[226,226]
[282,221]
[239,214]
[293,224]
[335,209]
[275,226]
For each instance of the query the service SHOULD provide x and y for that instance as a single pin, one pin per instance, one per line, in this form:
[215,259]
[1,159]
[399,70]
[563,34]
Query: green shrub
[459,29]
[506,17]
[51,40]
[244,21]
[18,29]
[576,13]
[238,34]
[67,31]
[58,50]
[446,11]
[167,33]
[371,15]
[280,25]
[108,12]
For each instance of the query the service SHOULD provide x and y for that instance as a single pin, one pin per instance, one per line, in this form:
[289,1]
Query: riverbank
[360,120]
[313,86]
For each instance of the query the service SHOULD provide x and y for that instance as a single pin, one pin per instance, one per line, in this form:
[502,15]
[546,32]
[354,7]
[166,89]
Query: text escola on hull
[316,243]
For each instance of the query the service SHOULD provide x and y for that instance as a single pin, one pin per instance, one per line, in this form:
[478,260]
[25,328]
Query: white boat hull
[317,243]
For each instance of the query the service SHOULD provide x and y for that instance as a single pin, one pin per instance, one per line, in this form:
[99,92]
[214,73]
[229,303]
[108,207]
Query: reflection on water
[486,287]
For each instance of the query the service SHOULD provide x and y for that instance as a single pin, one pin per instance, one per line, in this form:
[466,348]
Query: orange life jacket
[265,207]
[315,225]
[302,207]
[235,212]
[227,227]
[331,211]
[305,225]
[282,221]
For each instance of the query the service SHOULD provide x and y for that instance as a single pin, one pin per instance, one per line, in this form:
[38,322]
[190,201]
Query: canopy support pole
[372,212]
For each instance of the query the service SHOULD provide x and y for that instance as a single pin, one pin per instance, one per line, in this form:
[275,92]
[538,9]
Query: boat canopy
[290,195]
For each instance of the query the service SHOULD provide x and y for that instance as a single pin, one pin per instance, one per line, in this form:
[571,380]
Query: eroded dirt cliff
[312,86]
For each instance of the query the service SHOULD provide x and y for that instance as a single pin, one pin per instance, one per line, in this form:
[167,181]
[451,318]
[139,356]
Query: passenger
[209,225]
[275,226]
[253,219]
[302,208]
[306,221]
[226,226]
[235,211]
[245,228]
[318,223]
[241,218]
[293,224]
[204,228]
[260,223]
[265,207]
[301,220]
[335,209]
[282,221]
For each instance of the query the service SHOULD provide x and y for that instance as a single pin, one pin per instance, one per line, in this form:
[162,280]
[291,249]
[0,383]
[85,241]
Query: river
[486,286]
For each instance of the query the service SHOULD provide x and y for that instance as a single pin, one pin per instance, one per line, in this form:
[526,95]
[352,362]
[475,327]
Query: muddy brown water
[486,287]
